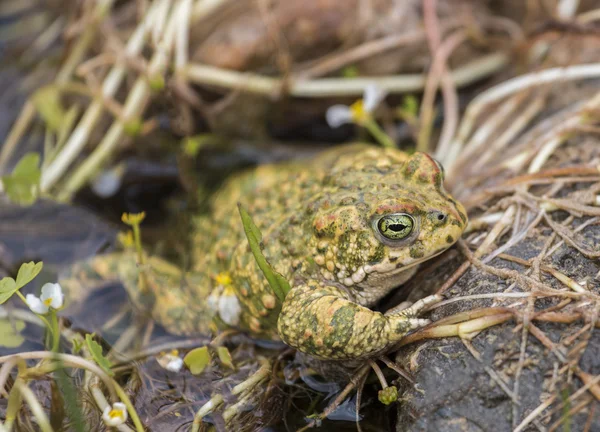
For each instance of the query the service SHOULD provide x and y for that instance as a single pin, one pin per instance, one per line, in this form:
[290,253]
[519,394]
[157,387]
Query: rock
[511,376]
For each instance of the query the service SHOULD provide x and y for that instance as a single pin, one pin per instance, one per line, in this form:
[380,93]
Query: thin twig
[328,87]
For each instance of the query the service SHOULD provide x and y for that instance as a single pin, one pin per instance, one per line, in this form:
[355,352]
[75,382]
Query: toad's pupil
[397,227]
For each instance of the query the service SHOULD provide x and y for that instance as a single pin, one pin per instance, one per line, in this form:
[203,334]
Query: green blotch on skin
[417,251]
[418,213]
[378,254]
[449,239]
[312,324]
[411,168]
[327,232]
[345,241]
[403,327]
[438,180]
[343,325]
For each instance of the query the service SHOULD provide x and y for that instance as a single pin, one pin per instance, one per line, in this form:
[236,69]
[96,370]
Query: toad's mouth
[388,268]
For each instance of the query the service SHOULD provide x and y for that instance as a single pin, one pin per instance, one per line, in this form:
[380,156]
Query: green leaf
[47,102]
[11,333]
[77,345]
[277,282]
[96,351]
[410,105]
[8,287]
[197,360]
[350,71]
[193,144]
[23,185]
[71,399]
[133,127]
[225,357]
[157,83]
[27,272]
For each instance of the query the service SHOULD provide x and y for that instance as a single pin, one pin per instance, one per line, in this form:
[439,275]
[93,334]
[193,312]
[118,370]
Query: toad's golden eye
[396,226]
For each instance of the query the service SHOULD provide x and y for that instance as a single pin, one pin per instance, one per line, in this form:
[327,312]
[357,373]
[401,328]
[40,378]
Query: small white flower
[115,415]
[170,361]
[372,97]
[175,364]
[52,297]
[229,308]
[108,182]
[35,304]
[338,115]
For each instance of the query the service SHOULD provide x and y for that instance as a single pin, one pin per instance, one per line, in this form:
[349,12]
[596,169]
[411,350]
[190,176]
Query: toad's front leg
[324,322]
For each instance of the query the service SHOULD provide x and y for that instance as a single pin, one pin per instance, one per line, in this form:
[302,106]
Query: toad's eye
[396,226]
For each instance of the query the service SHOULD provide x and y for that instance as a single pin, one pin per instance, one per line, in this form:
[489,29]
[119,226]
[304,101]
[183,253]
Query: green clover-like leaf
[8,287]
[47,102]
[96,352]
[27,272]
[197,359]
[23,185]
[11,333]
[277,282]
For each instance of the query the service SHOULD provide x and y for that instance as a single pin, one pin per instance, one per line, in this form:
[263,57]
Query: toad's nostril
[438,217]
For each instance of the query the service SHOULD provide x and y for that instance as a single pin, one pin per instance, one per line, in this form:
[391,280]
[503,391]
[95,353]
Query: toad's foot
[323,321]
[177,300]
[416,308]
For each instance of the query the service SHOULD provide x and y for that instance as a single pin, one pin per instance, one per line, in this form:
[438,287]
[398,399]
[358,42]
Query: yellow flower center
[223,279]
[175,352]
[48,302]
[357,110]
[115,413]
[133,218]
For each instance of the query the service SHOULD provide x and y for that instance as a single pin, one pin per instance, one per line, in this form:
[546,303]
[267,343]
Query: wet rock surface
[534,371]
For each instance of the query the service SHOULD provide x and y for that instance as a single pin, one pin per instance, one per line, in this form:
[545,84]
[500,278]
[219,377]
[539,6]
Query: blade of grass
[70,398]
[278,283]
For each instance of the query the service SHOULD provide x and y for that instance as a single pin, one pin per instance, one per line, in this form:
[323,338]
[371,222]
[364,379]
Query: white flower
[229,308]
[175,364]
[170,361]
[108,182]
[35,304]
[115,415]
[338,115]
[52,297]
